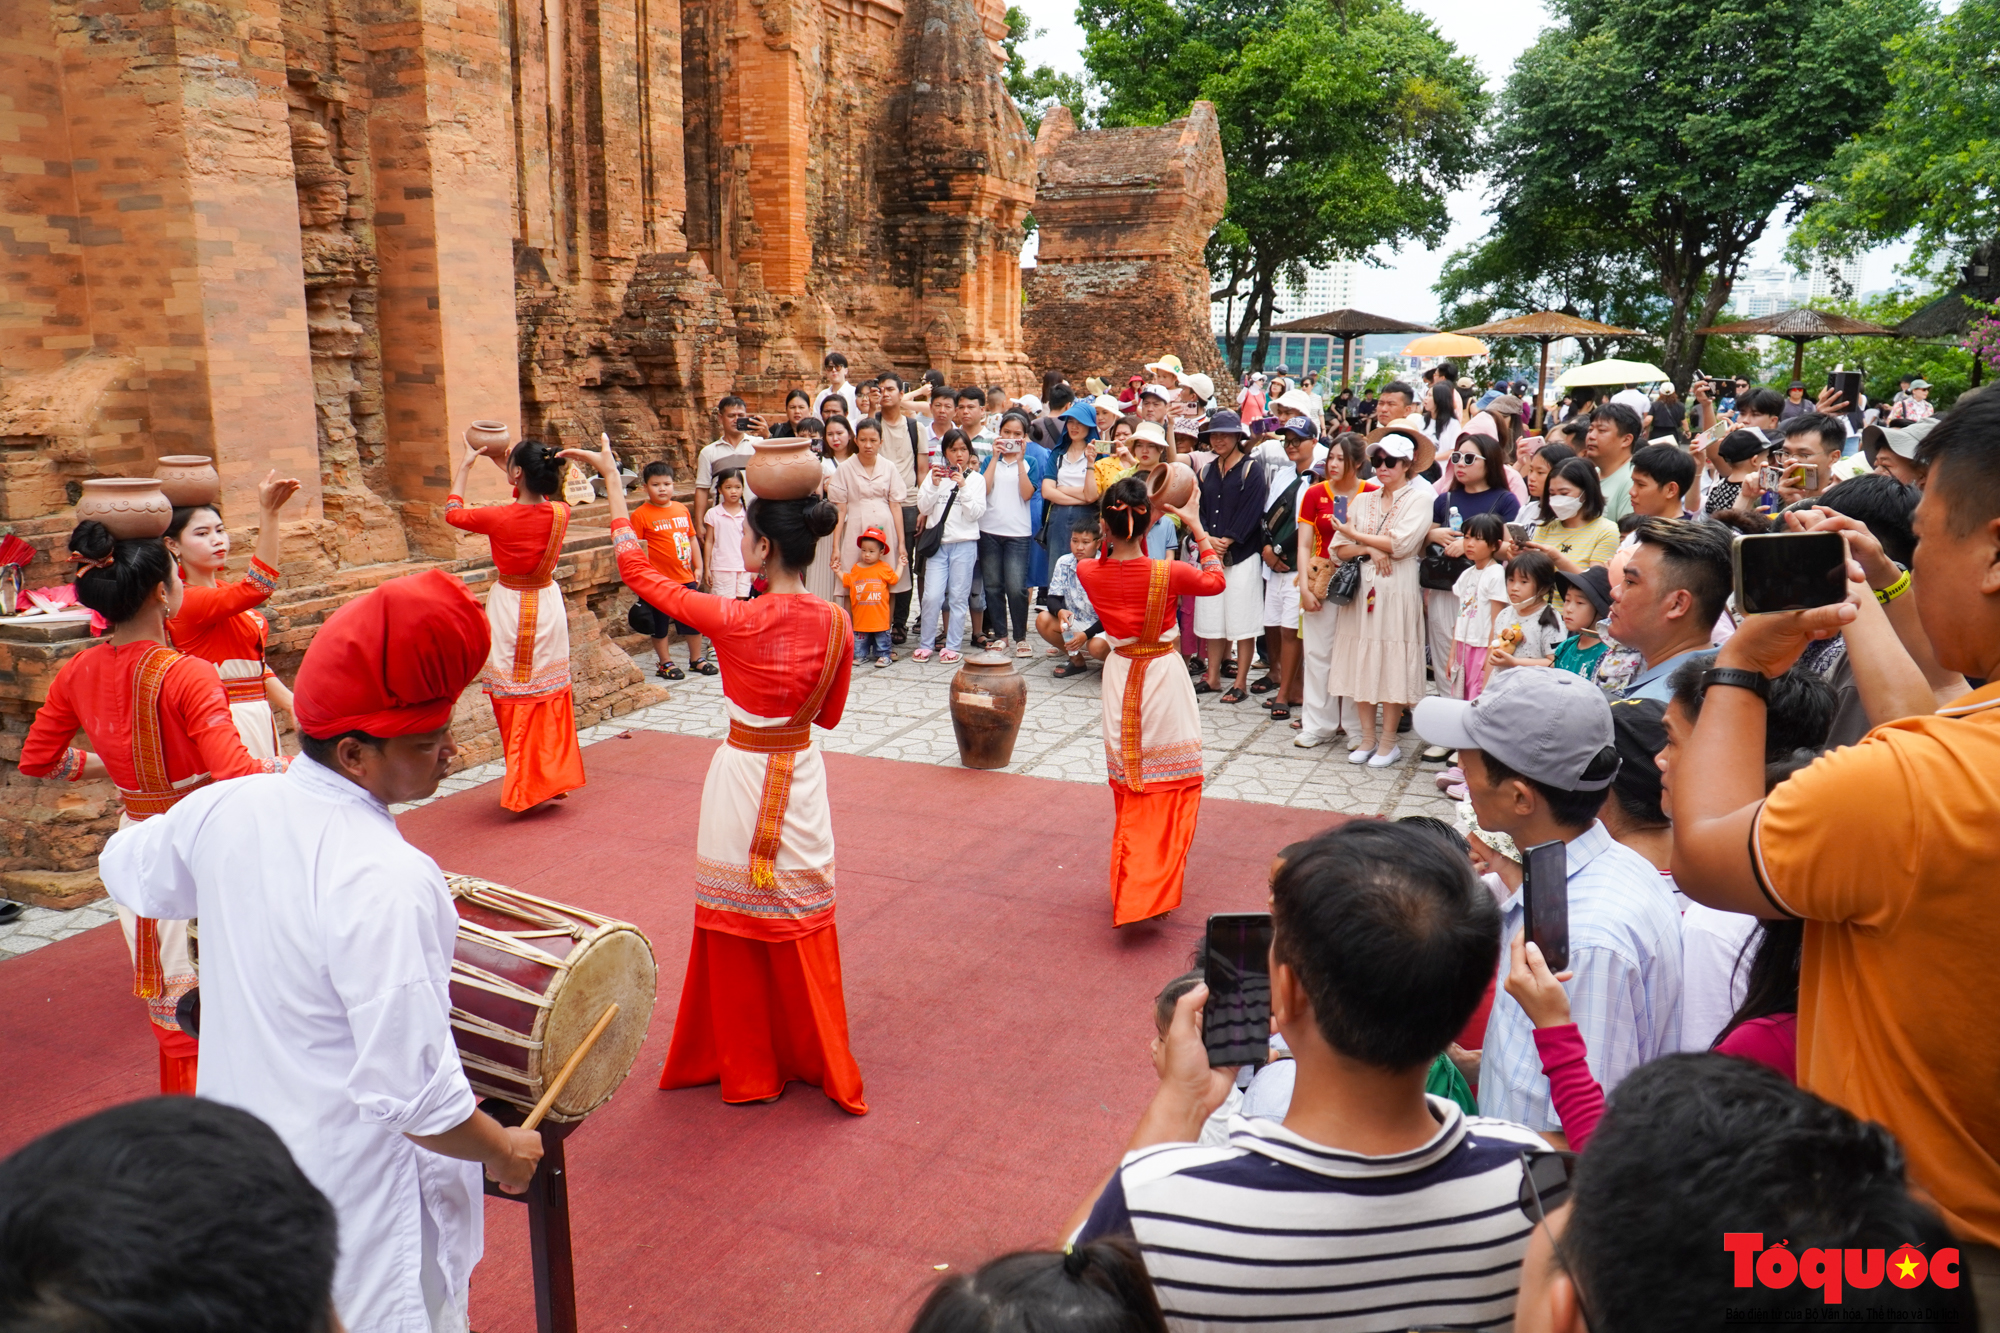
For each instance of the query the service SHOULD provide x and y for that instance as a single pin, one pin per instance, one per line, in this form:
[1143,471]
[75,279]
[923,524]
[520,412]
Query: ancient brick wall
[1122,218]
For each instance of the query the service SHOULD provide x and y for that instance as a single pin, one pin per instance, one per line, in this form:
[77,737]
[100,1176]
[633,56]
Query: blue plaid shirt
[1625,999]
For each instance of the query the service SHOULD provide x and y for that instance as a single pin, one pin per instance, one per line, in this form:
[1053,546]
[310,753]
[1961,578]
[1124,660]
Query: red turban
[392,662]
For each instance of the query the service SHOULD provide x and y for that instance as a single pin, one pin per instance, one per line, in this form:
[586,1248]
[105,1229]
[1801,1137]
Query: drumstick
[569,1067]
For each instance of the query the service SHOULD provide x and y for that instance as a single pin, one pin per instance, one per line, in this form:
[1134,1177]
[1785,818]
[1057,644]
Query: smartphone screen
[1519,533]
[1789,571]
[1236,1022]
[1545,901]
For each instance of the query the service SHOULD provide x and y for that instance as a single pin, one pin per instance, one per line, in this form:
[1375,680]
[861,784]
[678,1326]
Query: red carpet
[1000,1023]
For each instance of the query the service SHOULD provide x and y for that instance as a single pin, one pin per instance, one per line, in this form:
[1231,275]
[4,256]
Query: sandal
[668,671]
[1281,712]
[1024,650]
[921,655]
[898,636]
[707,666]
[1073,667]
[1203,687]
[1234,695]
[1263,685]
[948,655]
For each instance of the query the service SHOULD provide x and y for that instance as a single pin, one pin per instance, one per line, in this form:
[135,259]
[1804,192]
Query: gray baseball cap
[1552,726]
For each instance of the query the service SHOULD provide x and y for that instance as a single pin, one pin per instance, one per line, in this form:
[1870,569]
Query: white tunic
[326,944]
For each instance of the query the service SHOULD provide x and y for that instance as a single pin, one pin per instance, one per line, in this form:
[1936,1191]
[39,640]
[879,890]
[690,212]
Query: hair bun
[92,540]
[822,518]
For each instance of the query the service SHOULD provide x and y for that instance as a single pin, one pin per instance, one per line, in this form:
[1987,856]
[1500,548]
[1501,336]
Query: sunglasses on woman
[1467,460]
[1382,460]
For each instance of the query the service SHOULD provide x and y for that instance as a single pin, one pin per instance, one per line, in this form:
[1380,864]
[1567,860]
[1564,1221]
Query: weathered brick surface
[1123,216]
[322,236]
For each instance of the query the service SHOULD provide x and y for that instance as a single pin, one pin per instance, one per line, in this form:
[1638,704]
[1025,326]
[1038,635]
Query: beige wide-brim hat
[1169,363]
[1149,432]
[1423,449]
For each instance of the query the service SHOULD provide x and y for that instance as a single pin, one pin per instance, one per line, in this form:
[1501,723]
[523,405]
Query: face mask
[1565,507]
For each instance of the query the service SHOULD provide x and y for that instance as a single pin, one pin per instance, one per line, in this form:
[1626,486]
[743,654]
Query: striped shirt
[1278,1232]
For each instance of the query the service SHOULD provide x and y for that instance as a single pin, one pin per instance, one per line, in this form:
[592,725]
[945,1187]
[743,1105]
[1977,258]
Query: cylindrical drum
[529,978]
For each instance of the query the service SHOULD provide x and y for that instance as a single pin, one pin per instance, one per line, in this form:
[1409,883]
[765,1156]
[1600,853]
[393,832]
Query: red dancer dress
[1152,729]
[160,722]
[222,626]
[527,675]
[762,1002]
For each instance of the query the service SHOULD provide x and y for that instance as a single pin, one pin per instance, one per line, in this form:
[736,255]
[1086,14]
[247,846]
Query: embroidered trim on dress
[1170,762]
[70,769]
[790,894]
[555,678]
[261,576]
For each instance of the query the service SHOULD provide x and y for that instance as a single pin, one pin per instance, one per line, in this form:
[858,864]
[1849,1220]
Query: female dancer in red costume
[762,1002]
[527,677]
[1152,729]
[160,727]
[219,622]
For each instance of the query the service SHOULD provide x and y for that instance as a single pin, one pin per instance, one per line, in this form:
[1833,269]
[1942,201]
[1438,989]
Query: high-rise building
[1766,291]
[1329,287]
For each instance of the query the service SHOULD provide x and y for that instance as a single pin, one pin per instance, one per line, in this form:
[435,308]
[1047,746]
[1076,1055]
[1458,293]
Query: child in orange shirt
[869,587]
[667,528]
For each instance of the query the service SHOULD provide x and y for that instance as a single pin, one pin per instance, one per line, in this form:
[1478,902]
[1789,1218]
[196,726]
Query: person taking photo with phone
[1884,848]
[1382,946]
[1813,444]
[739,433]
[1539,755]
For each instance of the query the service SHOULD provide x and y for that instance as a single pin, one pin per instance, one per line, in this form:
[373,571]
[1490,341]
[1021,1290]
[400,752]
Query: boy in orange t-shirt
[667,528]
[869,587]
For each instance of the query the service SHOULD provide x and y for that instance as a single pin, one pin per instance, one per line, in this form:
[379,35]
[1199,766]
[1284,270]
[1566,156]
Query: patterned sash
[534,582]
[156,795]
[790,740]
[1140,652]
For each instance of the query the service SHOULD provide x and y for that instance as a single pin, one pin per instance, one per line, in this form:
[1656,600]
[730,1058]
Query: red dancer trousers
[543,759]
[177,1060]
[756,1014]
[1149,847]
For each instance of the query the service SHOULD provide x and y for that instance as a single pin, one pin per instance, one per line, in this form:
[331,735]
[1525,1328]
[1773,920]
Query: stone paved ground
[903,713]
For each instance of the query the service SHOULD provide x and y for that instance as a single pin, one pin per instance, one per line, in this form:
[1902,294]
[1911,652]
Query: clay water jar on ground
[1169,486]
[129,506]
[988,699]
[490,438]
[188,479]
[783,469]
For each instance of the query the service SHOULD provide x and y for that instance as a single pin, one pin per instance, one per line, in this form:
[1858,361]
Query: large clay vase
[1169,486]
[988,699]
[129,506]
[490,438]
[783,469]
[188,479]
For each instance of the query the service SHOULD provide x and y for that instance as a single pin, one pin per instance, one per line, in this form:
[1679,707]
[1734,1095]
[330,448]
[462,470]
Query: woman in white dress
[868,491]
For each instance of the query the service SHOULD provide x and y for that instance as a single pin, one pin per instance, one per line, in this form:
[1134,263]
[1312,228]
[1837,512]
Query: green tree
[1519,270]
[1035,91]
[1931,162]
[1883,361]
[1344,125]
[1679,126]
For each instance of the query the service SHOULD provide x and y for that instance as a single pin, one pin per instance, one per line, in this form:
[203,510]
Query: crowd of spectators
[1762,1090]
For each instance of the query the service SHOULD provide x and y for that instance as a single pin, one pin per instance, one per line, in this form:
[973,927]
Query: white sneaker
[1384,760]
[1307,740]
[1360,754]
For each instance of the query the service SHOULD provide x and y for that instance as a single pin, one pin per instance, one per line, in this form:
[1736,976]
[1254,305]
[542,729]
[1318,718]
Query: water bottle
[1457,522]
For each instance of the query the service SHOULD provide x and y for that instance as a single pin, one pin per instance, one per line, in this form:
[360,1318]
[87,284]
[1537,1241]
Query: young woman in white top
[954,495]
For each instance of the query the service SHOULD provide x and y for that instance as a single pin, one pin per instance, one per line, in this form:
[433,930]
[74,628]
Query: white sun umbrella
[1612,371]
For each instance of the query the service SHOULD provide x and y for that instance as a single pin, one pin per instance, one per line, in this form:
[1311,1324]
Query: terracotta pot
[1170,485]
[129,506]
[188,479]
[491,438]
[988,699]
[783,469]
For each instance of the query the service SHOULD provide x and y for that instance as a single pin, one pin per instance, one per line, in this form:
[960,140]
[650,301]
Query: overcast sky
[1494,33]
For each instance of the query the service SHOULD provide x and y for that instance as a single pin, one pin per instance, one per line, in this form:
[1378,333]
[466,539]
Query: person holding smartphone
[740,430]
[1537,748]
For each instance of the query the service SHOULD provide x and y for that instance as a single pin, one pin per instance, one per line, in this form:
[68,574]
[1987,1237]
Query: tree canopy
[1563,266]
[1669,131]
[1036,90]
[1343,127]
[1931,162]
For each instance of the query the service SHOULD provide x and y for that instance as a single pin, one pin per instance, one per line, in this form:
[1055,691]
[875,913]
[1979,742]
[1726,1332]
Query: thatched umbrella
[1545,327]
[1800,327]
[1347,325]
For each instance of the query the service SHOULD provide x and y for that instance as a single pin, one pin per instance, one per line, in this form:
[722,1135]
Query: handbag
[931,538]
[1439,572]
[1345,582]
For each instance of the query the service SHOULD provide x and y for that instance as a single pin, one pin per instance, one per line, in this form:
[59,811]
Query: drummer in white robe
[326,945]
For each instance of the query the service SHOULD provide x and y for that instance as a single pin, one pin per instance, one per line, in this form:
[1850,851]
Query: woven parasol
[1799,327]
[1545,327]
[1446,344]
[1347,324]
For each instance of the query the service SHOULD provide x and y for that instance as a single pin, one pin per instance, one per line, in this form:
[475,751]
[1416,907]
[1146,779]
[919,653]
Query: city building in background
[1329,287]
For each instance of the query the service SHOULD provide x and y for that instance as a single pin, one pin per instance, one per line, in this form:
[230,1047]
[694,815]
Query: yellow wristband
[1894,590]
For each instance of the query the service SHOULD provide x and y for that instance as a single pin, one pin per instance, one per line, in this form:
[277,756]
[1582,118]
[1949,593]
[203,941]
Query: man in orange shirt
[667,528]
[1887,850]
[870,586]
